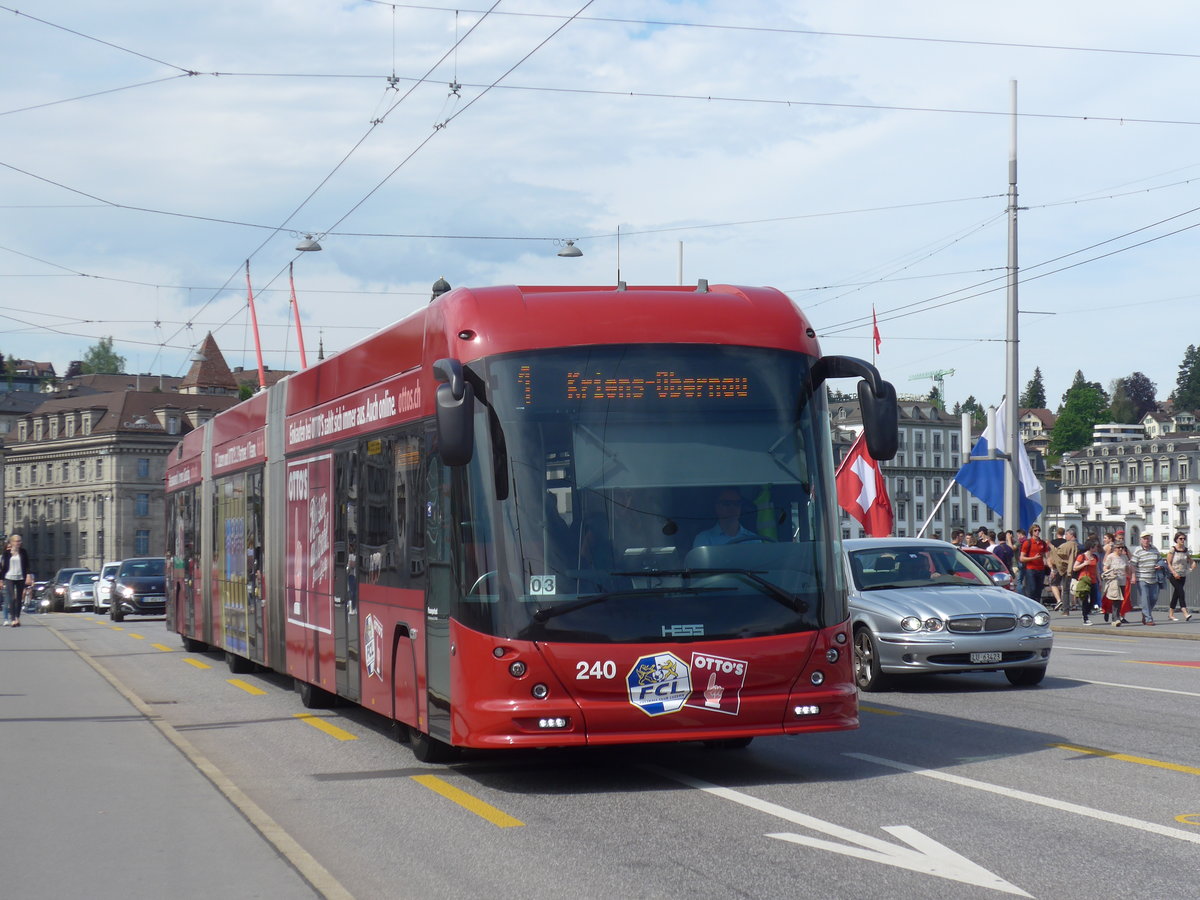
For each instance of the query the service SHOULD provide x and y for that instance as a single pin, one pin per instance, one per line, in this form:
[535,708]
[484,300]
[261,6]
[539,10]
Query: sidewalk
[98,803]
[1162,628]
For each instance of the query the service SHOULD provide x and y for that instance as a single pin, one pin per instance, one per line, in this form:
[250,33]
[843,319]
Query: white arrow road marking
[1061,805]
[923,854]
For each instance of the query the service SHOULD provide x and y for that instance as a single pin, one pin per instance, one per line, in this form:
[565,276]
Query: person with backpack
[1033,558]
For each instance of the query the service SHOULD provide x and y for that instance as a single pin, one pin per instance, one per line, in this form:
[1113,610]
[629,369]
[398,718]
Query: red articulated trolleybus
[538,517]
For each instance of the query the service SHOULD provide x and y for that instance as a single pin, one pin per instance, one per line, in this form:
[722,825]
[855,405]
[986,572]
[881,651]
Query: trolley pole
[1012,517]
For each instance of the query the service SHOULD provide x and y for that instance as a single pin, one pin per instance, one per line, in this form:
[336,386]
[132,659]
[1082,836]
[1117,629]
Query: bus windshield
[648,493]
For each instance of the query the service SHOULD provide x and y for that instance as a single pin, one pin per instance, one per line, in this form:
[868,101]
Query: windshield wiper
[542,614]
[769,588]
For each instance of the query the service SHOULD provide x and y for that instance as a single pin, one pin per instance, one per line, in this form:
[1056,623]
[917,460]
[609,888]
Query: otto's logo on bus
[719,682]
[298,483]
[659,684]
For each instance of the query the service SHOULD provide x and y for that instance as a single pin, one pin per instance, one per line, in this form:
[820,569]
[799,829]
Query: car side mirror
[876,401]
[455,400]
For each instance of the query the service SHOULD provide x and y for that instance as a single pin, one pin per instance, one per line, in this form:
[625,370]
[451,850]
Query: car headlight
[126,592]
[910,623]
[1042,618]
[1025,620]
[934,624]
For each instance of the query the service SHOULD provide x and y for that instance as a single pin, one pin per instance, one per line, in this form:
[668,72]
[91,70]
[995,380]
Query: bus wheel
[429,749]
[312,696]
[238,665]
[191,645]
[729,743]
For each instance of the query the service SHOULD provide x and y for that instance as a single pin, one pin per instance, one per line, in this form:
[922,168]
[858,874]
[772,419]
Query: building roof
[132,411]
[209,372]
[1046,417]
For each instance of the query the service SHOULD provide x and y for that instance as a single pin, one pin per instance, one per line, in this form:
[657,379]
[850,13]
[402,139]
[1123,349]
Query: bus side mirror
[876,401]
[455,401]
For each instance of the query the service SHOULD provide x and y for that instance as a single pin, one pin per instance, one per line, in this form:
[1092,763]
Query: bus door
[346,638]
[255,625]
[440,596]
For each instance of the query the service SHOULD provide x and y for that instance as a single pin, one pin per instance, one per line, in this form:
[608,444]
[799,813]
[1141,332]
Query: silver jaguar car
[922,606]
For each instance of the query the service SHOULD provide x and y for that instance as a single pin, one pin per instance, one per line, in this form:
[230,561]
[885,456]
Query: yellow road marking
[116,627]
[466,801]
[140,637]
[163,647]
[321,725]
[1124,757]
[248,688]
[878,711]
[1189,819]
[197,663]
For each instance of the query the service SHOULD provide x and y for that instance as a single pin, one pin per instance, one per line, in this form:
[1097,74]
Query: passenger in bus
[729,528]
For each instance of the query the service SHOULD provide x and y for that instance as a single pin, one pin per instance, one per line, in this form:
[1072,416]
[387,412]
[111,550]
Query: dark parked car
[140,588]
[58,588]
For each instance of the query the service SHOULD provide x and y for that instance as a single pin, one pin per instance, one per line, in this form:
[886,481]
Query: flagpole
[1012,517]
[937,506]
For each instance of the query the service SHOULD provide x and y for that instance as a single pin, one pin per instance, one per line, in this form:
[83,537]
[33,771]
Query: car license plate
[991,657]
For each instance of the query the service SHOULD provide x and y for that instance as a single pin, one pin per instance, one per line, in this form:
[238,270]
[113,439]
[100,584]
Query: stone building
[83,471]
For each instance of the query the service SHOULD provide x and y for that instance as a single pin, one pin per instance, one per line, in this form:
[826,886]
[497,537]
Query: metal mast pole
[1011,495]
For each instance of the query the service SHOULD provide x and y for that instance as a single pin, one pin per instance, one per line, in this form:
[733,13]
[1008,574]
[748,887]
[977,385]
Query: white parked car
[104,586]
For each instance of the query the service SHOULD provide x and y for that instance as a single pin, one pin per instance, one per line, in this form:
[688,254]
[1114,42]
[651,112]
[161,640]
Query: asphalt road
[954,787]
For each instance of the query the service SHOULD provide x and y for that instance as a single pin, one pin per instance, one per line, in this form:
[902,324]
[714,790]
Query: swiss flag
[862,492]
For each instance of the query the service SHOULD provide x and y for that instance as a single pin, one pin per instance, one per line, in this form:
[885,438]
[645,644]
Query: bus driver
[729,529]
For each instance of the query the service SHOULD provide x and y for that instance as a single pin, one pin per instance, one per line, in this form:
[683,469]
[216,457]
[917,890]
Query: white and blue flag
[985,477]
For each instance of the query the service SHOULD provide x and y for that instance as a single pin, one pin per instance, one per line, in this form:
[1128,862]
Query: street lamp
[308,244]
[570,250]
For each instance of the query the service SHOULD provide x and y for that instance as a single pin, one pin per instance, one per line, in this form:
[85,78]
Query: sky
[853,154]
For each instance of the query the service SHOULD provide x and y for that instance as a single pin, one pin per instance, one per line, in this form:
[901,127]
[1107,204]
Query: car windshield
[84,578]
[879,568]
[143,568]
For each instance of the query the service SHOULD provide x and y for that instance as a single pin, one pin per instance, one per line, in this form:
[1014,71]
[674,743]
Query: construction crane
[939,380]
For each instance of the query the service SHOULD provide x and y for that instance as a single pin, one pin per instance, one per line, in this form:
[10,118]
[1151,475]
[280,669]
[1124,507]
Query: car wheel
[1025,677]
[429,749]
[866,662]
[117,615]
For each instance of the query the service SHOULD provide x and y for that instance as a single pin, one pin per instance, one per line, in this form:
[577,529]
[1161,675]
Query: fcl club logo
[659,684]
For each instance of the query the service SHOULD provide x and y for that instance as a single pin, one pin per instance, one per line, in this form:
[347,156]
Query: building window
[17,474]
[953,441]
[141,542]
[87,423]
[1148,471]
[143,468]
[49,473]
[37,430]
[921,512]
[919,487]
[99,468]
[33,474]
[1183,471]
[1131,471]
[71,425]
[22,431]
[954,512]
[66,472]
[1163,518]
[141,505]
[1164,471]
[54,428]
[901,510]
[82,470]
[83,542]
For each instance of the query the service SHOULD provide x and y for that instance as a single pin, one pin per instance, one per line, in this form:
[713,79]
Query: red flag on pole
[875,329]
[862,491]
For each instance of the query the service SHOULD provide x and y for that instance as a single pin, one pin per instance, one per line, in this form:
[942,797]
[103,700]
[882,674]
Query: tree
[1186,395]
[101,359]
[74,368]
[1084,405]
[1035,392]
[978,413]
[1133,396]
[935,398]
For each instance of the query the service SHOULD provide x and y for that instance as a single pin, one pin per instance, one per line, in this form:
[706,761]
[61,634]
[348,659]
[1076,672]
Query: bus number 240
[585,670]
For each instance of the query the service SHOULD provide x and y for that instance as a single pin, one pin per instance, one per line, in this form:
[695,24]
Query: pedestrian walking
[14,566]
[1033,557]
[1179,563]
[1018,566]
[1115,577]
[1145,560]
[1004,551]
[1062,561]
[1084,567]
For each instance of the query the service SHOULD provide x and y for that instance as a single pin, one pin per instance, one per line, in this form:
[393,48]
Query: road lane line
[468,802]
[140,637]
[1124,757]
[163,647]
[1012,793]
[1135,687]
[878,711]
[245,686]
[321,725]
[196,663]
[305,863]
[1091,649]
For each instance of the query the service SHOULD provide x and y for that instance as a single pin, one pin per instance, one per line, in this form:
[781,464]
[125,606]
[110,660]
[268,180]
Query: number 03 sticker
[542,585]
